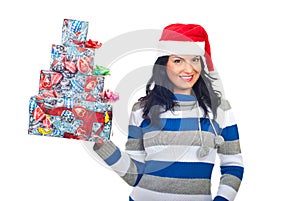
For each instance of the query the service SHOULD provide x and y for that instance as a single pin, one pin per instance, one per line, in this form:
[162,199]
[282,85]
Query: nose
[188,67]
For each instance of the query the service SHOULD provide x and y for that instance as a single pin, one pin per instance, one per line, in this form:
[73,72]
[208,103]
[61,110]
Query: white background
[255,47]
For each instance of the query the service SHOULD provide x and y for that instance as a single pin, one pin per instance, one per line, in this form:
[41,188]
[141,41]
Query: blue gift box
[74,32]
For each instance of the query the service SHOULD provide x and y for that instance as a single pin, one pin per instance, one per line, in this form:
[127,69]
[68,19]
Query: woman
[177,129]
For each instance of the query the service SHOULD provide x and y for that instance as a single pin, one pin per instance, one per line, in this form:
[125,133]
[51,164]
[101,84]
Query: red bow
[92,44]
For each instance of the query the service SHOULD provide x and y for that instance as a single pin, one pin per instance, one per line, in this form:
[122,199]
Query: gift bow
[101,70]
[92,44]
[108,95]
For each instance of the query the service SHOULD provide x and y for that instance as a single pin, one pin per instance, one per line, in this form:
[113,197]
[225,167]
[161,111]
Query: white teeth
[186,77]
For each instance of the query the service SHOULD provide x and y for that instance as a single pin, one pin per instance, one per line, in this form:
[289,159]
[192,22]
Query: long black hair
[159,92]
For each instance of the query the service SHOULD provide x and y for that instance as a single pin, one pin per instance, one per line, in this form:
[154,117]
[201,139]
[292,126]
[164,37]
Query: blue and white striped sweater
[162,164]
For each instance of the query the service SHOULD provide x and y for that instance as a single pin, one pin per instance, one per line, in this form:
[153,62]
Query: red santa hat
[186,39]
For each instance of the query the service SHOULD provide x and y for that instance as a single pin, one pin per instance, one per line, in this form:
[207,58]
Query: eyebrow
[197,56]
[176,56]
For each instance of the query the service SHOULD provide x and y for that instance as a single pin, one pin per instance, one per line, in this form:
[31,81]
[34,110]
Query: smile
[187,78]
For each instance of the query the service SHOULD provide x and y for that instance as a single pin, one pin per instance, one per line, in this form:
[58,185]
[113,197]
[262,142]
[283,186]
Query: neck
[184,92]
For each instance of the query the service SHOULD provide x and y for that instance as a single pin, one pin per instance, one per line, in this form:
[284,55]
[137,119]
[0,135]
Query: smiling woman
[179,75]
[176,131]
[183,71]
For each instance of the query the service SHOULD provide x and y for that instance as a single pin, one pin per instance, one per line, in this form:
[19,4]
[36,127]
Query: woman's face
[183,71]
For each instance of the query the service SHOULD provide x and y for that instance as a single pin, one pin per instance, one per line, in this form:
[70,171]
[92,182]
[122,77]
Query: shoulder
[137,106]
[225,115]
[136,116]
[224,105]
[222,108]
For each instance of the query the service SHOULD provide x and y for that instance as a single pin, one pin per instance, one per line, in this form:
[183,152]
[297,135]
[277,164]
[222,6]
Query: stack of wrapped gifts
[71,101]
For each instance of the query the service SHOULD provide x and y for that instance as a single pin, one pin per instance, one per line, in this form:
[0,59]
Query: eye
[196,60]
[177,61]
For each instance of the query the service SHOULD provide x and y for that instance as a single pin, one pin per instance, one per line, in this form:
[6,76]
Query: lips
[186,78]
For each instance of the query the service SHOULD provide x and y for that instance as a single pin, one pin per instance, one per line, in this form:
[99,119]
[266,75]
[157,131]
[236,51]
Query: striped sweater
[162,164]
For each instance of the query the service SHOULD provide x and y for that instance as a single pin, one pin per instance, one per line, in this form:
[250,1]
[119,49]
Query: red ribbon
[89,117]
[80,112]
[57,111]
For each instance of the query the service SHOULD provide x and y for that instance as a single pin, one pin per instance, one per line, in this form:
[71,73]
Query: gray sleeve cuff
[106,150]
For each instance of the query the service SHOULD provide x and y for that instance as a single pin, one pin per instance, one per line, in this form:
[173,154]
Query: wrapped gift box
[75,86]
[72,59]
[72,102]
[74,32]
[67,118]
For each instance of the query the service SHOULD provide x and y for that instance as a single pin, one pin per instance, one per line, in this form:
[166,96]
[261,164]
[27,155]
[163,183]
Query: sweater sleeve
[231,162]
[129,165]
